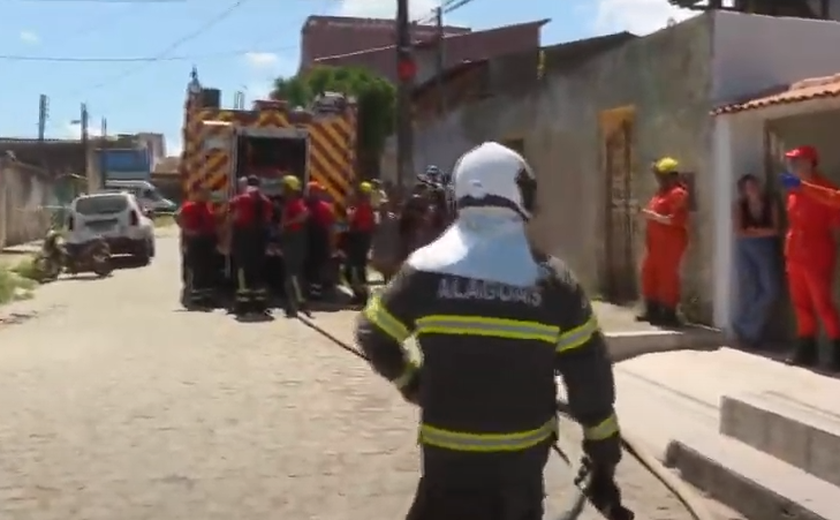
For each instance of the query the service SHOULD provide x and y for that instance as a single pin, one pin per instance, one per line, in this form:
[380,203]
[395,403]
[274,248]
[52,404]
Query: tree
[375,97]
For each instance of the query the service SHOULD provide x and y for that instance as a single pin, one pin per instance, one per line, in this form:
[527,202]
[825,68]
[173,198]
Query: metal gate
[620,219]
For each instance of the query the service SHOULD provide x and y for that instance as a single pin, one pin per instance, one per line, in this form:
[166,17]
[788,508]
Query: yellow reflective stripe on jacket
[483,326]
[377,314]
[577,336]
[603,430]
[486,442]
[406,376]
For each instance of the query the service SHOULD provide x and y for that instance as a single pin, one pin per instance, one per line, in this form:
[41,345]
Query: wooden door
[620,218]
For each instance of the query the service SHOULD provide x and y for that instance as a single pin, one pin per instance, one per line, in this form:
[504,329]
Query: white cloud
[385,8]
[639,16]
[262,60]
[173,145]
[29,37]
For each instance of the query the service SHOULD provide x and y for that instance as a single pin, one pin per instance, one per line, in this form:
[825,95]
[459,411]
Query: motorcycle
[56,257]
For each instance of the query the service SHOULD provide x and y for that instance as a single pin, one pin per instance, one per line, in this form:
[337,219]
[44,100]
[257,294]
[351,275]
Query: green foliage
[376,98]
[16,283]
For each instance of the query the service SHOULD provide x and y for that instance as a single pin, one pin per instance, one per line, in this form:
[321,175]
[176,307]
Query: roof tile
[807,89]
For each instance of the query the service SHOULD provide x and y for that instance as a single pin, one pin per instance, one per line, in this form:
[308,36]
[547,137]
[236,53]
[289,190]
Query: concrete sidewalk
[757,435]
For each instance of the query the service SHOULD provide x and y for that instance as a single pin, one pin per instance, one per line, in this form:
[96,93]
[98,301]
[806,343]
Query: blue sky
[234,47]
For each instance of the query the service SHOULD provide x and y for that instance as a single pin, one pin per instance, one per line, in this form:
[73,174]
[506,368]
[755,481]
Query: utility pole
[406,71]
[43,115]
[440,60]
[83,123]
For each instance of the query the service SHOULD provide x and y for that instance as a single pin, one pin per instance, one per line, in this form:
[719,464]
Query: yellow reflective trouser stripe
[483,326]
[486,442]
[577,336]
[603,430]
[379,316]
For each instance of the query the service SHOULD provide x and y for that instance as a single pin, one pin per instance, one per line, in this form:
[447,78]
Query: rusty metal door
[620,219]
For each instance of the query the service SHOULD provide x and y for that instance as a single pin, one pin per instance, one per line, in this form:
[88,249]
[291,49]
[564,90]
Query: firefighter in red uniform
[198,230]
[251,218]
[321,227]
[667,240]
[810,256]
[361,223]
[293,228]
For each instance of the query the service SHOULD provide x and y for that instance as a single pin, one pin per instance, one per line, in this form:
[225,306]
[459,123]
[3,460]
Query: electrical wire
[684,494]
[215,20]
[133,59]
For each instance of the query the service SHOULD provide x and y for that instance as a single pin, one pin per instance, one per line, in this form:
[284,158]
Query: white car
[118,218]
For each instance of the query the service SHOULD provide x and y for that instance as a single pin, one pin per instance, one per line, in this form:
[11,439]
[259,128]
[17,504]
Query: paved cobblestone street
[117,405]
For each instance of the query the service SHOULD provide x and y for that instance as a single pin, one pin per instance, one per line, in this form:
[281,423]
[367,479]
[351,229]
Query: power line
[221,16]
[131,59]
[446,7]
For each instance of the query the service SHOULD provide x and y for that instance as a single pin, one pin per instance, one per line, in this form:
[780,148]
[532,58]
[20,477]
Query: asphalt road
[117,405]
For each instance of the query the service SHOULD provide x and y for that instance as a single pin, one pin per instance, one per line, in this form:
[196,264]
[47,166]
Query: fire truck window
[266,154]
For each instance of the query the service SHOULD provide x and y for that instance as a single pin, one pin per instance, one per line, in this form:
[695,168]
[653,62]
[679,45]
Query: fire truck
[271,140]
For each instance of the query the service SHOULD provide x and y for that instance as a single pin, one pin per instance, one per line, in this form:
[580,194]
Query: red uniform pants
[810,294]
[661,273]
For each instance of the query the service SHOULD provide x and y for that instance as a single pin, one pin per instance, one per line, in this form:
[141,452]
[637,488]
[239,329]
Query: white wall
[753,53]
[739,149]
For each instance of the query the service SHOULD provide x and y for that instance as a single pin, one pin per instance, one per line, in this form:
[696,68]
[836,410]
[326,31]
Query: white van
[146,193]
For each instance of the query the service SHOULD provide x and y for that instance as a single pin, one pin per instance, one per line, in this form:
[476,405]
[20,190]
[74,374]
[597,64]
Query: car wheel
[152,250]
[146,253]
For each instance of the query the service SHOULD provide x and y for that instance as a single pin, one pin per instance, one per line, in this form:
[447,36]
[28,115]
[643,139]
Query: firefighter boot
[834,358]
[650,313]
[804,354]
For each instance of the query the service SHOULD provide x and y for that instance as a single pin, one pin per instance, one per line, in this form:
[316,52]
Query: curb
[627,345]
[739,492]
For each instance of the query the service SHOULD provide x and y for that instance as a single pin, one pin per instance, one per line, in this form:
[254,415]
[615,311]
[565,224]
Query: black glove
[603,492]
[411,391]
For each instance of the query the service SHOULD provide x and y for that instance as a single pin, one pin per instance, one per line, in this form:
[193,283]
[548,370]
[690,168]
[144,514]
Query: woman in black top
[756,221]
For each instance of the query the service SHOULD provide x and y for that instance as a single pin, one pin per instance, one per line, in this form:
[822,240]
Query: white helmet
[494,176]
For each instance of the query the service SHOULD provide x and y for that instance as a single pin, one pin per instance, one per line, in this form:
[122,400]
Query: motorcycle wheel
[47,269]
[101,264]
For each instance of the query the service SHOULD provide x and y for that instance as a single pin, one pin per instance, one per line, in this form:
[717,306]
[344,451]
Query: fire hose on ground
[696,508]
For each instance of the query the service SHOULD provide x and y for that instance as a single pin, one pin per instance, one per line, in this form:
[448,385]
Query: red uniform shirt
[361,218]
[198,217]
[244,207]
[671,202]
[809,238]
[322,213]
[293,209]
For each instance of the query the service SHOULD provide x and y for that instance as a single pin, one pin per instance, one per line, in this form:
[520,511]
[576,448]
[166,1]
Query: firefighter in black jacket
[495,322]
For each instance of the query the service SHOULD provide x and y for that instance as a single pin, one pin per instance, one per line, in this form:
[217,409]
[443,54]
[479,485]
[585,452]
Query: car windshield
[101,205]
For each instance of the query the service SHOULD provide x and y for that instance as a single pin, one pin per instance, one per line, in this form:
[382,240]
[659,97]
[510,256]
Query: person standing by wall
[251,219]
[810,254]
[667,239]
[320,229]
[293,227]
[361,222]
[756,221]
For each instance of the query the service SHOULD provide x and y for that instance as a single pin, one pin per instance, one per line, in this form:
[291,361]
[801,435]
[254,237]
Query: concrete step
[753,483]
[803,434]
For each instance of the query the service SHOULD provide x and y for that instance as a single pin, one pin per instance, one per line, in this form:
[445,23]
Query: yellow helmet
[365,187]
[291,182]
[666,165]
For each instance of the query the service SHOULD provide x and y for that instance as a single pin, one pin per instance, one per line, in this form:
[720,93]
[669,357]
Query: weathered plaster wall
[666,77]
